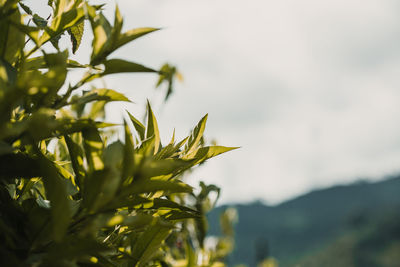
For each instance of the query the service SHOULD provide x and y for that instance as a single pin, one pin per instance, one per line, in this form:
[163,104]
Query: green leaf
[152,128]
[204,153]
[76,33]
[60,23]
[149,242]
[121,202]
[12,41]
[160,204]
[107,95]
[132,35]
[117,26]
[76,157]
[40,63]
[152,186]
[177,215]
[8,73]
[57,193]
[164,167]
[100,189]
[39,21]
[139,127]
[120,66]
[93,145]
[128,160]
[196,135]
[102,36]
[25,8]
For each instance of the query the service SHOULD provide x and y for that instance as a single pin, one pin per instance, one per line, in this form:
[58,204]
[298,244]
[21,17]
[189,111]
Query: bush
[70,196]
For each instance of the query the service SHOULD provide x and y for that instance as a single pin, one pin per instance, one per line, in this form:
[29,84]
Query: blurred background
[310,91]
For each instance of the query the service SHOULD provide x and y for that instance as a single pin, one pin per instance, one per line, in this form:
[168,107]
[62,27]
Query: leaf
[152,128]
[76,33]
[152,186]
[25,8]
[164,167]
[177,215]
[8,73]
[39,21]
[60,23]
[120,66]
[57,193]
[117,26]
[160,203]
[204,153]
[107,95]
[76,157]
[128,159]
[102,34]
[139,127]
[149,242]
[93,145]
[196,135]
[132,35]
[100,189]
[113,66]
[40,63]
[120,202]
[12,41]
[167,74]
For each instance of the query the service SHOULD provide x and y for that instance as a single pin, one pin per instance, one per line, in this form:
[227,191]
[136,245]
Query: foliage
[70,195]
[337,226]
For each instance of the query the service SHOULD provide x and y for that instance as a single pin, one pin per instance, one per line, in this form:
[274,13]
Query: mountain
[310,224]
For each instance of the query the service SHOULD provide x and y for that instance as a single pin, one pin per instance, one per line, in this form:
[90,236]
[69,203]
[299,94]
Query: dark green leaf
[76,33]
[57,193]
[149,242]
[120,66]
[39,21]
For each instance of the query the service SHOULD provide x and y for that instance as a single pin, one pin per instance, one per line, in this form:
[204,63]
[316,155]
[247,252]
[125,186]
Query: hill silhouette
[299,229]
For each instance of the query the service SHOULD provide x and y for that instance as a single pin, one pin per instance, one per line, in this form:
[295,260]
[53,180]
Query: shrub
[68,195]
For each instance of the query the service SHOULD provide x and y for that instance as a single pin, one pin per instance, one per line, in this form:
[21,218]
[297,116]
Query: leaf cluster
[68,195]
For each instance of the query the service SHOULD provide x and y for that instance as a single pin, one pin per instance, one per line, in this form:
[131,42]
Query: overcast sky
[309,89]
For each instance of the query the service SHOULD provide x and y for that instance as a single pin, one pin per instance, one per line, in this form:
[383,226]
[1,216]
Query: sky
[308,89]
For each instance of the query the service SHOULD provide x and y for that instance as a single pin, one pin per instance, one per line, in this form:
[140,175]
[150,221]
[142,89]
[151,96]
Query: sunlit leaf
[139,127]
[100,95]
[93,146]
[132,35]
[196,135]
[152,128]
